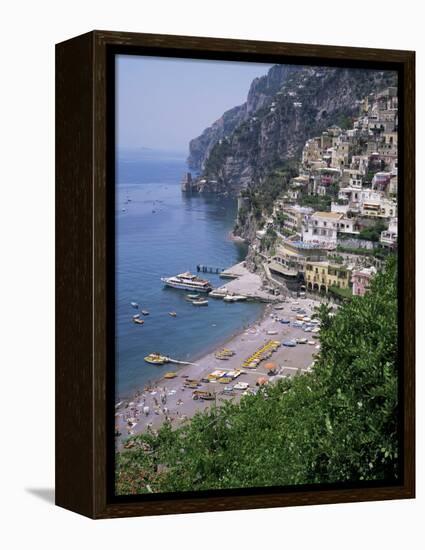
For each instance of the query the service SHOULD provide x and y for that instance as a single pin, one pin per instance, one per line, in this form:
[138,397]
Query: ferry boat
[187,281]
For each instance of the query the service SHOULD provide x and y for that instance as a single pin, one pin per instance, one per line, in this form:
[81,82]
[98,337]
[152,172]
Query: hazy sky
[163,103]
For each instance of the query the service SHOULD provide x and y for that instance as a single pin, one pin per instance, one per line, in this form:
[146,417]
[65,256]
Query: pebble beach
[172,399]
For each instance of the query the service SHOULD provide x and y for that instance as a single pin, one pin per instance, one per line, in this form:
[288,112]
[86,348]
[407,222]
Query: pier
[209,269]
[245,284]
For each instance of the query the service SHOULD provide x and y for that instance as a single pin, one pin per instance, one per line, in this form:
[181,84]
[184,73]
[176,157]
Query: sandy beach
[171,398]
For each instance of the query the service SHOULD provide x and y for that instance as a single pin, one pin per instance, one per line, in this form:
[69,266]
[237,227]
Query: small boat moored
[202,394]
[172,314]
[145,312]
[191,297]
[234,298]
[156,359]
[134,304]
[138,321]
[200,302]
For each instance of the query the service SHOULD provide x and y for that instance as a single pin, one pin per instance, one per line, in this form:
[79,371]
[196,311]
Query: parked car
[289,343]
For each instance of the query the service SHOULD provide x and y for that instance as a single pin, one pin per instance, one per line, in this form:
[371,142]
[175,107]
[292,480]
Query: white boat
[192,296]
[218,293]
[234,298]
[134,304]
[187,281]
[138,321]
[200,302]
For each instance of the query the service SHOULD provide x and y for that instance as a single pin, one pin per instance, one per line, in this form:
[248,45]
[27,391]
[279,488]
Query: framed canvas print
[235,274]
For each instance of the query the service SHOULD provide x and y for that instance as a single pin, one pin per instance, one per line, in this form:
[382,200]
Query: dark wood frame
[81,272]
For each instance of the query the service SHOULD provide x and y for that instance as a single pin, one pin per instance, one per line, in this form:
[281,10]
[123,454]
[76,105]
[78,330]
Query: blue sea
[161,232]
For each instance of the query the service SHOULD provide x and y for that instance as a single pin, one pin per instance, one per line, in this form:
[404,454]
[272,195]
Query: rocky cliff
[261,94]
[283,109]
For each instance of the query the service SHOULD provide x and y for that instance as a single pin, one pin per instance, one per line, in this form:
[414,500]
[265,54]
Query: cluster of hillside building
[355,171]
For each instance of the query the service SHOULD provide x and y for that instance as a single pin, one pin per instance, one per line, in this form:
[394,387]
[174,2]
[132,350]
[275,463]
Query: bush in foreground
[335,424]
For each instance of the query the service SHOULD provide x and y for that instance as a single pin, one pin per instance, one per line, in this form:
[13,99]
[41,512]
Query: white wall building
[389,237]
[321,227]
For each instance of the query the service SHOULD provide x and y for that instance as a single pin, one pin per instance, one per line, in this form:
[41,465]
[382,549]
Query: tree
[337,423]
[373,232]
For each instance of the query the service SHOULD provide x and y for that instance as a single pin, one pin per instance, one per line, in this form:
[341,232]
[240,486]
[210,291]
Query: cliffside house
[321,227]
[361,279]
[321,276]
[293,215]
[291,257]
[389,237]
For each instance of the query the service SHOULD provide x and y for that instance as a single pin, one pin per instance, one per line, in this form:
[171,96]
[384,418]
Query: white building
[321,227]
[389,237]
[375,205]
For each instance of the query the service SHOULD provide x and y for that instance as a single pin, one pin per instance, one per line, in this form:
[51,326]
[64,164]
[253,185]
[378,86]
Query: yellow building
[320,276]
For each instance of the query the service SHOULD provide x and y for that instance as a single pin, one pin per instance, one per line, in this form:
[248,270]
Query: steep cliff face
[283,110]
[261,94]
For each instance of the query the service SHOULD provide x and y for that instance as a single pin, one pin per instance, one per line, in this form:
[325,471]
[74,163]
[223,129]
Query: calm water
[163,232]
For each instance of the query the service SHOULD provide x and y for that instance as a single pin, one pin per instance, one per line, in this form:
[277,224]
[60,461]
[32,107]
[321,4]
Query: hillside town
[335,223]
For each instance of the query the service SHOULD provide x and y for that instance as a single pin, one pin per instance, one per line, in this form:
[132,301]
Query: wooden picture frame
[84,165]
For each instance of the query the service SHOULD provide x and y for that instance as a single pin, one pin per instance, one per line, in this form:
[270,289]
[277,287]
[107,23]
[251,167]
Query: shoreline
[169,399]
[197,356]
[237,238]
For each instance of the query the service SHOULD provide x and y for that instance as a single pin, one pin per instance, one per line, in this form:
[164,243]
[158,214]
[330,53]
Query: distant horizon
[143,148]
[163,103]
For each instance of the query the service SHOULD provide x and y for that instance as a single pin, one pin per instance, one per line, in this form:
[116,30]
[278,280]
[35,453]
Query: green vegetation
[262,196]
[336,258]
[318,202]
[269,240]
[345,293]
[345,122]
[337,423]
[242,217]
[373,232]
[379,253]
[275,183]
[216,158]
